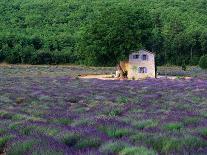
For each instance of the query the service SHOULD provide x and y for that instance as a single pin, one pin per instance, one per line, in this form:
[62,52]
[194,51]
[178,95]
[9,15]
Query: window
[144,57]
[142,70]
[136,56]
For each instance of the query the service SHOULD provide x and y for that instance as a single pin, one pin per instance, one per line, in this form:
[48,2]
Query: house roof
[133,51]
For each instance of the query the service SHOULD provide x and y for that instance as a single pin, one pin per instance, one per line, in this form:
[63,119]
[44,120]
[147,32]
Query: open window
[142,70]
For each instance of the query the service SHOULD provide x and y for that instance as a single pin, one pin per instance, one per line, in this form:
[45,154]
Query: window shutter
[145,69]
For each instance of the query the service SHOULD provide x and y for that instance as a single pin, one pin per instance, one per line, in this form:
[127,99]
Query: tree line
[100,33]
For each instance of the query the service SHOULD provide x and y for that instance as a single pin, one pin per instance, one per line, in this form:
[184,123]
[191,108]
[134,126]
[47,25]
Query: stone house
[141,65]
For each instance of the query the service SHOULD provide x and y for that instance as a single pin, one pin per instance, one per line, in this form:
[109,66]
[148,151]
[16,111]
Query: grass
[27,130]
[192,142]
[88,143]
[165,144]
[115,132]
[114,112]
[21,148]
[47,152]
[137,151]
[146,124]
[191,121]
[3,141]
[162,144]
[203,131]
[49,131]
[173,126]
[70,139]
[122,100]
[62,121]
[112,147]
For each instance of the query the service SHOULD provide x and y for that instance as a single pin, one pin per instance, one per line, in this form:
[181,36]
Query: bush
[173,126]
[162,144]
[47,152]
[112,147]
[21,148]
[146,124]
[42,57]
[3,141]
[71,139]
[2,55]
[192,142]
[88,143]
[137,151]
[203,62]
[115,132]
[13,56]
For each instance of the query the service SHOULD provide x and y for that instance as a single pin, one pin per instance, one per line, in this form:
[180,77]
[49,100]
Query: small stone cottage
[141,65]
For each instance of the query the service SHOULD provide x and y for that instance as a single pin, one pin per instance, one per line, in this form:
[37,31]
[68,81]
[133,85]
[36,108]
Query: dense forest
[100,32]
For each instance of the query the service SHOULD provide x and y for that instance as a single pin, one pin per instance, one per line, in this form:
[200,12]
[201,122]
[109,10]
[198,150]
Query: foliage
[102,43]
[146,124]
[21,148]
[70,139]
[112,147]
[173,126]
[88,142]
[137,151]
[203,62]
[3,141]
[101,32]
[115,132]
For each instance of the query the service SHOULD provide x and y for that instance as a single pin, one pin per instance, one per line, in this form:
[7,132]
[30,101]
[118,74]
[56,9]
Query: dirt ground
[111,77]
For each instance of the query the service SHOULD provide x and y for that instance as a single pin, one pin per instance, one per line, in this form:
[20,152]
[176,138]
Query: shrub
[63,121]
[192,142]
[173,126]
[146,124]
[122,100]
[88,142]
[2,55]
[27,130]
[115,132]
[13,55]
[191,121]
[184,66]
[114,112]
[137,151]
[47,131]
[161,144]
[2,131]
[70,139]
[203,62]
[18,117]
[3,141]
[42,57]
[6,115]
[21,148]
[47,152]
[203,131]
[166,144]
[112,147]
[139,137]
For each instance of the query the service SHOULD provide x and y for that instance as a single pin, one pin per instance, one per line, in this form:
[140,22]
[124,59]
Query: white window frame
[145,57]
[142,70]
[135,56]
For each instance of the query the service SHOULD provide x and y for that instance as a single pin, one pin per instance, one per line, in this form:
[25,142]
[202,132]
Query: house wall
[134,64]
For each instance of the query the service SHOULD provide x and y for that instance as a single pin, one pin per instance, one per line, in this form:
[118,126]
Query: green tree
[203,62]
[113,33]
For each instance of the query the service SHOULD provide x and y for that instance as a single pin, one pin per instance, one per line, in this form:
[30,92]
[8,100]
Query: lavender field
[59,114]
